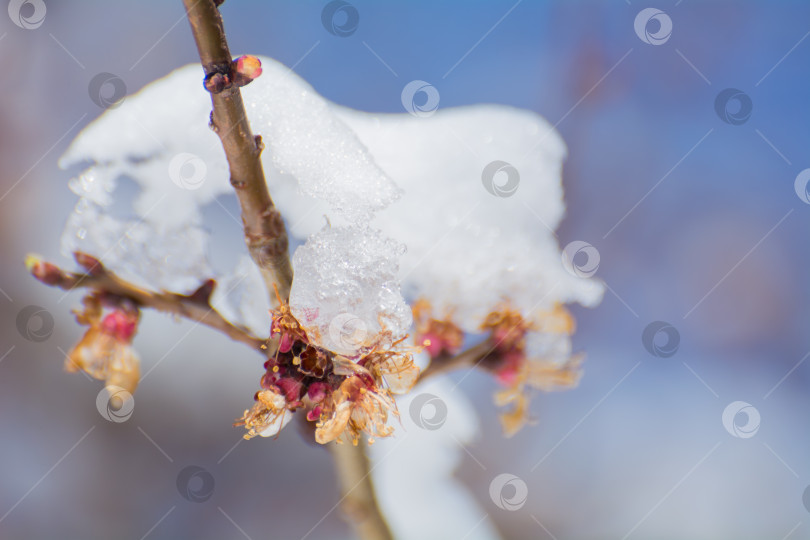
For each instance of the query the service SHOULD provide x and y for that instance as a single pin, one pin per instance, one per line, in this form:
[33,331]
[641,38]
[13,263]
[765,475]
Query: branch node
[259,144]
[211,124]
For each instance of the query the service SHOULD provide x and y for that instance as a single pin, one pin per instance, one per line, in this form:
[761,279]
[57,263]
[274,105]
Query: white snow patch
[413,471]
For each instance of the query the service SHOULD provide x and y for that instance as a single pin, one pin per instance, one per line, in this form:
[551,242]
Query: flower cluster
[344,397]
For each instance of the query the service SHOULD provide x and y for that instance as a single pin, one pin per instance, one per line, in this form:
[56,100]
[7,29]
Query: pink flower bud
[46,272]
[286,343]
[89,263]
[248,66]
[317,391]
[315,414]
[120,324]
[291,388]
[432,344]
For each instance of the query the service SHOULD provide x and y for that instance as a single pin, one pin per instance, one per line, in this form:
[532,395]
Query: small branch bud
[246,68]
[203,294]
[89,263]
[47,273]
[216,82]
[259,144]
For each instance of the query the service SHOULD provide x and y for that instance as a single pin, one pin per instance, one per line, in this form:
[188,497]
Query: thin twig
[265,233]
[195,306]
[469,358]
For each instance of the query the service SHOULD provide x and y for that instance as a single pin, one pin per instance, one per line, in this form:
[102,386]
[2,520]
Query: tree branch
[265,233]
[471,357]
[357,491]
[195,306]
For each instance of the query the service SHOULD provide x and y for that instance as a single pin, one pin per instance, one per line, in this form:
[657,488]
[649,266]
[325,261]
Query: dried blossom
[344,397]
[438,336]
[267,416]
[358,406]
[393,366]
[105,351]
[520,372]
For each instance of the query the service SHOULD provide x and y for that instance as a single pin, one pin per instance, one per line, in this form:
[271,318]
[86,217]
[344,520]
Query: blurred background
[686,191]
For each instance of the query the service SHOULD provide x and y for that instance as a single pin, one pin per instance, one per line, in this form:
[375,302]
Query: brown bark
[265,233]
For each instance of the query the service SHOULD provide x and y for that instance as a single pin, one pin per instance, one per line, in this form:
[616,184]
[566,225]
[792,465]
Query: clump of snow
[309,142]
[426,453]
[237,297]
[472,243]
[473,192]
[346,292]
[157,256]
